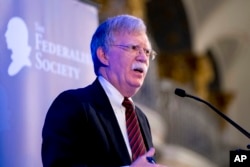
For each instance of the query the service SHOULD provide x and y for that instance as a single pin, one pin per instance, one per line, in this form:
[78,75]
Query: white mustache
[139,66]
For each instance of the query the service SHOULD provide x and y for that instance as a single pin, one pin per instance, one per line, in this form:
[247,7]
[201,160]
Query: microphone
[182,93]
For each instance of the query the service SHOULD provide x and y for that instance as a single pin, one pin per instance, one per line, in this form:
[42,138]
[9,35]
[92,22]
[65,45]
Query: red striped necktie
[134,133]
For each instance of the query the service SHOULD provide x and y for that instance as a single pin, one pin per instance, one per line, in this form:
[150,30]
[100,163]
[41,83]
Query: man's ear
[103,58]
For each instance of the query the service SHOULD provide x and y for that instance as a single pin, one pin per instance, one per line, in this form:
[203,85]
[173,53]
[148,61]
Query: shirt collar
[115,97]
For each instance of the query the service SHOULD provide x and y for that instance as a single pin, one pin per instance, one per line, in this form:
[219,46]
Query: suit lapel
[144,129]
[107,116]
[109,120]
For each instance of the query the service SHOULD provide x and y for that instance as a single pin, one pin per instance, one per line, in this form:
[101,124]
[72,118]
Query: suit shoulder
[87,93]
[79,93]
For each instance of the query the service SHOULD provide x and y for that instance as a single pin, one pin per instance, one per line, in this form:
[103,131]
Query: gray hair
[104,34]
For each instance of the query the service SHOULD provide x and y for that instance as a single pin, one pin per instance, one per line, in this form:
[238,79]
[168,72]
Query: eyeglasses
[151,54]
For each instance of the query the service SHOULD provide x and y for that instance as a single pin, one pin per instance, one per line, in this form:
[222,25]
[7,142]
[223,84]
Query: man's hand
[143,162]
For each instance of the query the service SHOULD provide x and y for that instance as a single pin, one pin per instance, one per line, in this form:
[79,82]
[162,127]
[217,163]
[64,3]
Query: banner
[44,50]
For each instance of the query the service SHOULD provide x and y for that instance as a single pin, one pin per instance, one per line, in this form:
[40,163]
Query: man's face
[127,67]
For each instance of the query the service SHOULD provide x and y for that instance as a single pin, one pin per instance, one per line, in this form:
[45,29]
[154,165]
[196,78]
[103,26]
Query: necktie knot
[128,104]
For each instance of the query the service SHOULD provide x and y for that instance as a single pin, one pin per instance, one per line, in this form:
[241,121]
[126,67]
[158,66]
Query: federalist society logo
[17,41]
[48,56]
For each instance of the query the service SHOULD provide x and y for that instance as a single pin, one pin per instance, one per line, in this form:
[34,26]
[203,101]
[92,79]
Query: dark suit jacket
[81,130]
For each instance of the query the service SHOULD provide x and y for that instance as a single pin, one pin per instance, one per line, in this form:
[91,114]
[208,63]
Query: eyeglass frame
[130,47]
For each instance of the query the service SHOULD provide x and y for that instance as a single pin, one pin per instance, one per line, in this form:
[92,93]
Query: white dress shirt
[116,99]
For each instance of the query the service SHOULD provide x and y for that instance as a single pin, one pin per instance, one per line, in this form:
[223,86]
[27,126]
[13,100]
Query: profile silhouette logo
[17,41]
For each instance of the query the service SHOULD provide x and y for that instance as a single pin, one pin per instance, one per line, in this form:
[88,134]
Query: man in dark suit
[87,127]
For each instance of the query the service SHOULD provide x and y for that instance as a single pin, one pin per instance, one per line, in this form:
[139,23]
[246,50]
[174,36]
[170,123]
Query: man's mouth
[139,67]
[140,70]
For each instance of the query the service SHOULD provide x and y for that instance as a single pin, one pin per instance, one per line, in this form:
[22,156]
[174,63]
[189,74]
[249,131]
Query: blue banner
[44,49]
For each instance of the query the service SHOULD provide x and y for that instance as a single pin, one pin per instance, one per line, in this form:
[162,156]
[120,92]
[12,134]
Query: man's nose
[142,56]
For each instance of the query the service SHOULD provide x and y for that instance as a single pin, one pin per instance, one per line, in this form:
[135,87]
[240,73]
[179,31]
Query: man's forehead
[132,36]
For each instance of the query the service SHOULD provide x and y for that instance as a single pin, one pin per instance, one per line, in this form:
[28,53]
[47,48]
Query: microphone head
[180,92]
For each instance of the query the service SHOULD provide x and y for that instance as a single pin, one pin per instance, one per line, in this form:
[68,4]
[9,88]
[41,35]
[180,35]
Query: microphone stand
[182,93]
